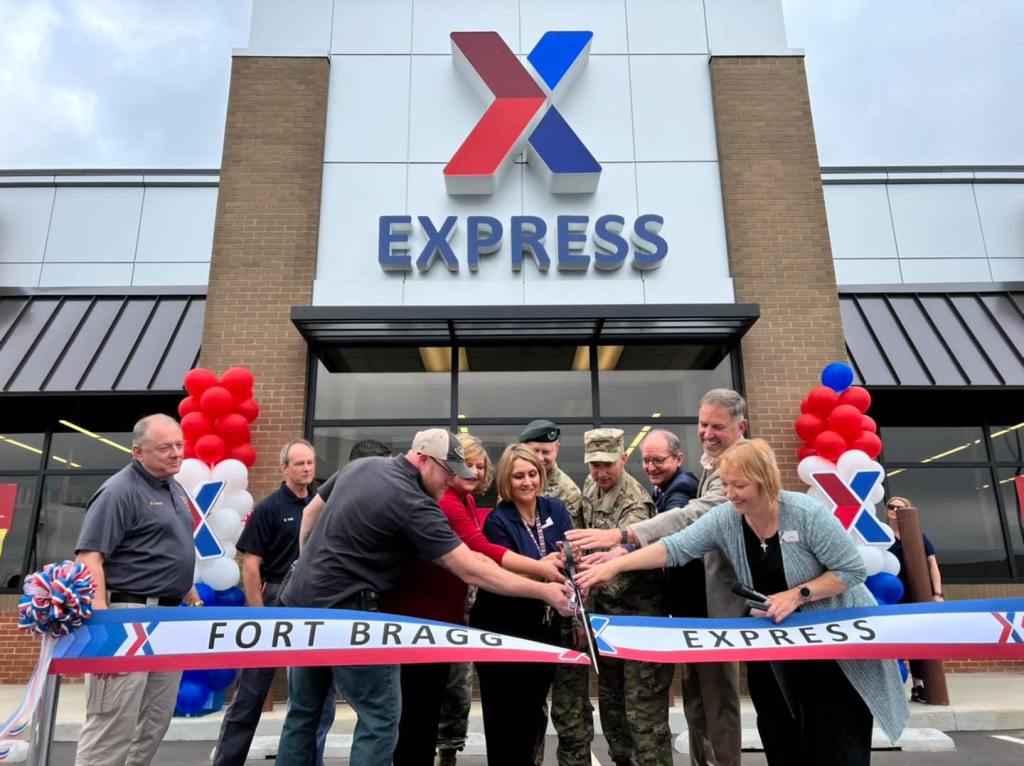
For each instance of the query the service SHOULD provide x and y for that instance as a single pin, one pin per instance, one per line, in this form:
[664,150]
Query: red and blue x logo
[140,639]
[1010,633]
[521,110]
[850,505]
[200,501]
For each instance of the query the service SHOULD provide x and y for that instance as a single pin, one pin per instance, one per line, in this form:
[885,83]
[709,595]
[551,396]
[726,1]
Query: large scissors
[576,602]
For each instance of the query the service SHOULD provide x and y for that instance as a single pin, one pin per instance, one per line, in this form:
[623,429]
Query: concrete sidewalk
[980,702]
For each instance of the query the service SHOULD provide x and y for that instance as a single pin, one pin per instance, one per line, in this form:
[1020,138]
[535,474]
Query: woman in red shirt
[431,592]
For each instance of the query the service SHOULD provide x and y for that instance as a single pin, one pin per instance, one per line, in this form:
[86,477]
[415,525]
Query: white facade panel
[381,26]
[859,223]
[177,225]
[1007,269]
[679,128]
[20,274]
[432,23]
[666,26]
[745,26]
[436,133]
[24,223]
[86,275]
[874,271]
[92,224]
[936,221]
[164,274]
[1001,209]
[356,133]
[288,24]
[597,109]
[945,270]
[605,18]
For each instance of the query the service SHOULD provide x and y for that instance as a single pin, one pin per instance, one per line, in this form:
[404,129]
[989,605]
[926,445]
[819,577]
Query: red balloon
[822,400]
[216,402]
[188,450]
[187,405]
[210,448]
[809,425]
[194,425]
[198,380]
[867,423]
[234,429]
[805,451]
[243,452]
[248,409]
[830,445]
[867,442]
[857,397]
[805,406]
[845,420]
[238,381]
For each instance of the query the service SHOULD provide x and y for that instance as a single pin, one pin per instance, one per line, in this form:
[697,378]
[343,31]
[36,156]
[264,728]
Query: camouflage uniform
[456,703]
[633,696]
[572,713]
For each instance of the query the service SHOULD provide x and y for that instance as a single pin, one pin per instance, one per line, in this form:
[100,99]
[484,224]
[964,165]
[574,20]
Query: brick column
[779,250]
[265,240]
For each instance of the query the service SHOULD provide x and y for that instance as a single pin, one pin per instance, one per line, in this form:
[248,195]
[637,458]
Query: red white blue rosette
[57,600]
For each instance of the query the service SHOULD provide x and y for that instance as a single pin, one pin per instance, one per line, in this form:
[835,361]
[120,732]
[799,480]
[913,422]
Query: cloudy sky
[142,83]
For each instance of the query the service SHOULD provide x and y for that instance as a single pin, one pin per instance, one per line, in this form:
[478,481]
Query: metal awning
[98,341]
[353,326]
[930,337]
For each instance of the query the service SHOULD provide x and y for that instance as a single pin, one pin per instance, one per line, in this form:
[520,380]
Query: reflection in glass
[1012,507]
[661,379]
[938,444]
[402,389]
[333,444]
[14,544]
[60,520]
[959,514]
[76,450]
[1008,442]
[20,452]
[635,434]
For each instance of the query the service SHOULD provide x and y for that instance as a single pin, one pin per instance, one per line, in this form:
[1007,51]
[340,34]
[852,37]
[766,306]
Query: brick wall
[265,240]
[779,250]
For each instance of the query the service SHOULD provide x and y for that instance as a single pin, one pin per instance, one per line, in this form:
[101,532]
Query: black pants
[512,695]
[422,694]
[831,724]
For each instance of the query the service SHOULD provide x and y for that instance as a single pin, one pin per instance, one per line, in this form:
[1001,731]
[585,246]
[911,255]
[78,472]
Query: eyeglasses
[655,461]
[443,466]
[894,507]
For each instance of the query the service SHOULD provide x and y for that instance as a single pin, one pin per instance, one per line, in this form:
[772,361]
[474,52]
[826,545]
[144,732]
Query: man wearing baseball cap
[382,513]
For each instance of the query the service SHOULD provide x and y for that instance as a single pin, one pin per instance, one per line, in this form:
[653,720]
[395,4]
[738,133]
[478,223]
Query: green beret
[540,431]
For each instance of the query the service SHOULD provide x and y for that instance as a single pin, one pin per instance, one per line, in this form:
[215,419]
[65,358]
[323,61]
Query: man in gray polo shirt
[136,540]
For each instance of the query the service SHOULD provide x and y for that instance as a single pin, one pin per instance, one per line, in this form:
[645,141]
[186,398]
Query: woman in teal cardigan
[813,566]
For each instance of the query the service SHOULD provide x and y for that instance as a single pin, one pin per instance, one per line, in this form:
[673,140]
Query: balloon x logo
[521,110]
[140,641]
[850,504]
[200,501]
[1010,633]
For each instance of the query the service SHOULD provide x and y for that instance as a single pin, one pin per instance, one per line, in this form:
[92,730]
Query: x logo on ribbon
[1010,633]
[200,501]
[141,640]
[520,108]
[850,504]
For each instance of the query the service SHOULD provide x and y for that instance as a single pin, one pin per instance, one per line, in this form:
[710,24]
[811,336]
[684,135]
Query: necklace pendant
[764,545]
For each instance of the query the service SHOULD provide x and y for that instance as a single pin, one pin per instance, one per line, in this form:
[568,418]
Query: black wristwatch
[805,593]
[625,535]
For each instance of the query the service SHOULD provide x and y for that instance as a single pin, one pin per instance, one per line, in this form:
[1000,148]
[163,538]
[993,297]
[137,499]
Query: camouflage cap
[602,445]
[540,431]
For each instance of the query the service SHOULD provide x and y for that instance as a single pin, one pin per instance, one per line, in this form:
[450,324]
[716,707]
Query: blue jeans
[373,691]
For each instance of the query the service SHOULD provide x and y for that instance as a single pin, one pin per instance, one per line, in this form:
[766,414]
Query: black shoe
[917,694]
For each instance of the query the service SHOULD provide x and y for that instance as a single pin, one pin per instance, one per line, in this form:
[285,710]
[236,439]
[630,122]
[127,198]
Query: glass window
[949,444]
[17,539]
[665,379]
[524,382]
[333,444]
[1013,506]
[958,513]
[20,452]
[60,519]
[382,383]
[76,450]
[1008,442]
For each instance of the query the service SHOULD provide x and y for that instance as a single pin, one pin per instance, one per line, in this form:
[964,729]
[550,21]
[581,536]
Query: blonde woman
[812,565]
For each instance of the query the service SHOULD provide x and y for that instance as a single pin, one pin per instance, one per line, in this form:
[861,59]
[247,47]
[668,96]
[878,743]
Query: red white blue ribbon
[22,717]
[981,630]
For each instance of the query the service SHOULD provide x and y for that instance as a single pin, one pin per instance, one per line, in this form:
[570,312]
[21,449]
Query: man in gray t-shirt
[136,540]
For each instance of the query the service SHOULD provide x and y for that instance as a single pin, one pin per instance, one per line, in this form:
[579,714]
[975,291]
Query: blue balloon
[886,588]
[219,680]
[231,597]
[838,376]
[904,673]
[192,696]
[206,594]
[196,676]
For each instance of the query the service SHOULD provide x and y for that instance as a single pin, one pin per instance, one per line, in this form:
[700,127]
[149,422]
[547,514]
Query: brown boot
[446,757]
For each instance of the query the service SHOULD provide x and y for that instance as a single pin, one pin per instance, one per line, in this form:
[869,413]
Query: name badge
[156,502]
[790,536]
[548,523]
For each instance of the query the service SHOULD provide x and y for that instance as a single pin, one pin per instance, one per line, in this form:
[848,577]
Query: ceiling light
[103,439]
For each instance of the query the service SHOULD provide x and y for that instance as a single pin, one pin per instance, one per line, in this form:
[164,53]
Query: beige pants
[126,716]
[711,703]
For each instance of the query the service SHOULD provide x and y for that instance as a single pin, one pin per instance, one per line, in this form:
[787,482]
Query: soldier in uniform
[633,696]
[572,714]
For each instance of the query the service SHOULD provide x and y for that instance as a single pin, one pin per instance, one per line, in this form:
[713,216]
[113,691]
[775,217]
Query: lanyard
[537,535]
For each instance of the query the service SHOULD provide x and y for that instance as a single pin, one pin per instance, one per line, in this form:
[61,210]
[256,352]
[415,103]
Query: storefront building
[669,230]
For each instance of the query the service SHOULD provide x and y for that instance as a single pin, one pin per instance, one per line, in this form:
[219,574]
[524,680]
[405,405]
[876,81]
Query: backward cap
[602,445]
[444,446]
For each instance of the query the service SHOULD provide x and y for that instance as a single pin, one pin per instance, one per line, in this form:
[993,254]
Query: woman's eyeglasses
[894,507]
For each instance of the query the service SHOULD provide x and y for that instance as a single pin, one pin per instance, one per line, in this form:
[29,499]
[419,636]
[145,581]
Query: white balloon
[876,494]
[888,529]
[192,473]
[852,461]
[238,532]
[891,564]
[876,466]
[225,523]
[233,473]
[195,573]
[818,495]
[874,558]
[229,550]
[219,573]
[238,500]
[813,464]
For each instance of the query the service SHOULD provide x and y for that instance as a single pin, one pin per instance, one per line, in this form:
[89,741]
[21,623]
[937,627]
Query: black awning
[925,337]
[327,326]
[102,341]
